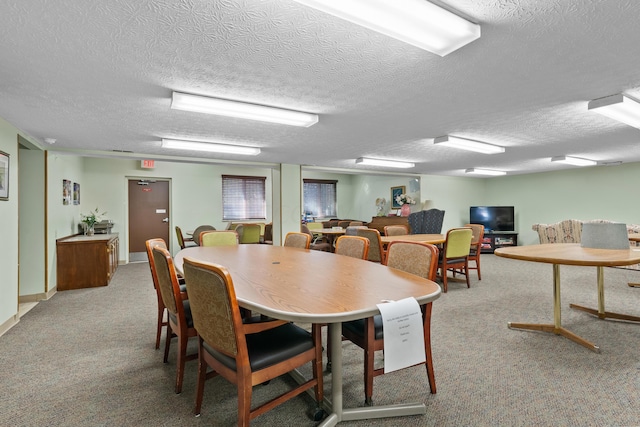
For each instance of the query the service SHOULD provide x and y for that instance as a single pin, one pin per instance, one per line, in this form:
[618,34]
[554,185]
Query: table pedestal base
[634,285]
[605,314]
[555,330]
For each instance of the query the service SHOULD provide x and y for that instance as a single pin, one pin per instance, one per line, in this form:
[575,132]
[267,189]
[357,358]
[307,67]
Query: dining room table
[634,237]
[434,239]
[275,281]
[572,254]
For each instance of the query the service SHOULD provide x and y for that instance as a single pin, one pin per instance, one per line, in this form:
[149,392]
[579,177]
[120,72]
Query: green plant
[92,217]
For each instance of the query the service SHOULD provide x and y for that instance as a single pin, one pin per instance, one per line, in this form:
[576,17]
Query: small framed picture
[76,193]
[66,192]
[396,191]
[4,176]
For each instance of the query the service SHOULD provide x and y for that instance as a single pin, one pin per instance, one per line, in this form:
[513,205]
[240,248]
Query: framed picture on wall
[66,192]
[76,193]
[396,191]
[4,176]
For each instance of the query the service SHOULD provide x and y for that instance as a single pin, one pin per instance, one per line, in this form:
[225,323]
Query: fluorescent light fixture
[416,22]
[468,144]
[387,163]
[575,161]
[243,110]
[618,107]
[212,147]
[477,171]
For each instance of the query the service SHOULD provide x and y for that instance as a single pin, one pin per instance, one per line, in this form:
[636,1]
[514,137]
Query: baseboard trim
[10,323]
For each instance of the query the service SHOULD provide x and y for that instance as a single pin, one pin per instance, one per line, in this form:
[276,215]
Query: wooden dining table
[634,237]
[572,254]
[434,239]
[275,281]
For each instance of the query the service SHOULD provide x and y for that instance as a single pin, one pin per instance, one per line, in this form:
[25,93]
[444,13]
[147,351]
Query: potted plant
[90,219]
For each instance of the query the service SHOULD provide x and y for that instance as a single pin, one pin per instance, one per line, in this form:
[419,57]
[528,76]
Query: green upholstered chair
[219,238]
[455,254]
[249,233]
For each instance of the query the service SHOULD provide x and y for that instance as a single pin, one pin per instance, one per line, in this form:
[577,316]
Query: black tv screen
[494,218]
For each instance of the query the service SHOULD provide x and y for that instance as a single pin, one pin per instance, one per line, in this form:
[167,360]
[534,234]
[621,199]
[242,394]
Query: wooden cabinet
[86,261]
[495,240]
[379,222]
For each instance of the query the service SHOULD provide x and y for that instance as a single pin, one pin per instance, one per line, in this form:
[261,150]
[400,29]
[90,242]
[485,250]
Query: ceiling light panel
[386,163]
[212,147]
[468,144]
[618,107]
[488,172]
[575,161]
[243,110]
[416,22]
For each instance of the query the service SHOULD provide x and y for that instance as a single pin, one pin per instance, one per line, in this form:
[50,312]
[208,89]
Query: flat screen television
[494,218]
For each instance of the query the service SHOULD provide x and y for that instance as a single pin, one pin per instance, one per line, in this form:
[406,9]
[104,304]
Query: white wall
[9,231]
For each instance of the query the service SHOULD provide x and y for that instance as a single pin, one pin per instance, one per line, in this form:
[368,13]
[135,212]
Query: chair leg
[244,401]
[202,376]
[427,347]
[167,344]
[466,272]
[182,356]
[444,279]
[478,267]
[369,355]
[161,323]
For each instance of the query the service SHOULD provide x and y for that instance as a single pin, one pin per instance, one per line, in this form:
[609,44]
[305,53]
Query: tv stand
[493,240]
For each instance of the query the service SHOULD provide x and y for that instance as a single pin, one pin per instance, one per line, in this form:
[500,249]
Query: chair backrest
[219,238]
[297,240]
[353,246]
[458,243]
[200,229]
[375,243]
[314,225]
[250,233]
[415,220]
[344,224]
[432,221]
[168,281]
[396,230]
[214,307]
[352,230]
[416,258]
[355,223]
[567,231]
[477,233]
[180,237]
[268,232]
[150,244]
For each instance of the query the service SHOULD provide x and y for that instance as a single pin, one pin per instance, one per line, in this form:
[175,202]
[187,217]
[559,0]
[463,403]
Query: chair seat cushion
[187,314]
[356,327]
[269,347]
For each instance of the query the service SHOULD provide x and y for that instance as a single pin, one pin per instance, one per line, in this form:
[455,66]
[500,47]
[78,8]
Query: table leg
[337,412]
[556,328]
[600,312]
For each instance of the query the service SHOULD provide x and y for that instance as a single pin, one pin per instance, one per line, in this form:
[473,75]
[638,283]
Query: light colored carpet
[86,358]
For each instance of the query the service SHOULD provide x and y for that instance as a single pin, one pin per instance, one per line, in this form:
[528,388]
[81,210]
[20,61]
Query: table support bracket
[555,330]
[605,314]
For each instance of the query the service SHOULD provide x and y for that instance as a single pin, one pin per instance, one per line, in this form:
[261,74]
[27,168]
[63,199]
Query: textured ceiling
[98,75]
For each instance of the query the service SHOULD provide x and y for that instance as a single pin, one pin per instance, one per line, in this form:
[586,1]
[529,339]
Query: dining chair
[343,223]
[352,230]
[455,254]
[249,233]
[396,230]
[376,253]
[476,246]
[180,323]
[318,242]
[246,354]
[150,244]
[219,238]
[267,239]
[300,240]
[183,242]
[353,246]
[416,258]
[200,229]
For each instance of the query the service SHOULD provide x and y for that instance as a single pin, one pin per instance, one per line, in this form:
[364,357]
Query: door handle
[165,220]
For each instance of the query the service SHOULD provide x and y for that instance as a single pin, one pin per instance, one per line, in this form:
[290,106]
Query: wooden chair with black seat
[376,252]
[184,241]
[180,322]
[294,239]
[416,258]
[318,243]
[150,244]
[200,229]
[219,238]
[246,354]
[455,254]
[476,246]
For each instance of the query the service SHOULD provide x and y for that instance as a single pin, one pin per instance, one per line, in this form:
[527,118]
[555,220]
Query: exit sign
[148,164]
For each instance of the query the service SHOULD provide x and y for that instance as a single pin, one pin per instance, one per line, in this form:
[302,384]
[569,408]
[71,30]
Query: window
[243,197]
[319,197]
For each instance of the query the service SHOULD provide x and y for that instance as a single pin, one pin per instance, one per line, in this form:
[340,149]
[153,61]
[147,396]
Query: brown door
[148,215]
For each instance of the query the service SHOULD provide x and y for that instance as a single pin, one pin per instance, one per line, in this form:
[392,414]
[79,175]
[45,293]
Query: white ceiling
[98,75]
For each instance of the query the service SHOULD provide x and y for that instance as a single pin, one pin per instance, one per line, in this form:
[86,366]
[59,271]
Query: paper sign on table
[403,334]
